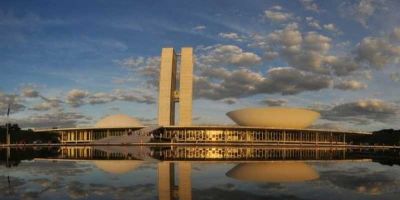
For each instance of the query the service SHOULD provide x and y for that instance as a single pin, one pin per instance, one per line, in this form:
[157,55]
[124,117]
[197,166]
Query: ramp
[139,136]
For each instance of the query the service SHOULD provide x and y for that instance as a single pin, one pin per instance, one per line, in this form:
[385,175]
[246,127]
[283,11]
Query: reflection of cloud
[220,193]
[362,180]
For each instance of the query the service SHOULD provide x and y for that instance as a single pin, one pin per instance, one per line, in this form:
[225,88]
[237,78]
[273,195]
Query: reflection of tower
[166,181]
[168,94]
[185,181]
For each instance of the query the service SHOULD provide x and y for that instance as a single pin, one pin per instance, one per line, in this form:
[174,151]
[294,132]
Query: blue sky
[70,63]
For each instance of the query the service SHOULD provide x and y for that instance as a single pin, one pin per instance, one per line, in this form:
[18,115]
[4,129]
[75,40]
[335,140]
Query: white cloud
[362,111]
[199,28]
[223,55]
[47,104]
[30,92]
[350,85]
[75,97]
[147,68]
[229,100]
[57,118]
[362,10]
[12,100]
[276,15]
[274,102]
[310,5]
[332,27]
[313,23]
[244,82]
[395,76]
[377,52]
[231,36]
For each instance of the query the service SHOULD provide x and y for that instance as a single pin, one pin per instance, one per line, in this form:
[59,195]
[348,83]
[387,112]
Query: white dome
[118,121]
[274,117]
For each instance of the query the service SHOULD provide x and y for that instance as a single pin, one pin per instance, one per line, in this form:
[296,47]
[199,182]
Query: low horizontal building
[122,126]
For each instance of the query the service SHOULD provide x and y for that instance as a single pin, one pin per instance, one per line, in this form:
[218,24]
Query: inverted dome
[118,121]
[274,117]
[117,166]
[275,172]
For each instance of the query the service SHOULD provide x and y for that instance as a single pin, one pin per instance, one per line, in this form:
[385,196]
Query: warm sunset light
[200,99]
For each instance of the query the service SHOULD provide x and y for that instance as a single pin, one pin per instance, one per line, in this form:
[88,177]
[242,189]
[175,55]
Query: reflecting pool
[187,172]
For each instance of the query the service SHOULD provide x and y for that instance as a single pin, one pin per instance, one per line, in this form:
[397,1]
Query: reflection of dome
[117,166]
[275,172]
[118,121]
[274,117]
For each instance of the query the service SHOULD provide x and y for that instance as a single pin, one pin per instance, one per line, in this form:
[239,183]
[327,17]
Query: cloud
[75,97]
[377,52]
[313,23]
[395,76]
[310,51]
[328,126]
[274,102]
[231,36]
[229,101]
[100,98]
[13,100]
[244,82]
[342,66]
[199,28]
[395,34]
[332,27]
[29,92]
[310,5]
[57,118]
[229,84]
[275,14]
[134,96]
[362,10]
[362,111]
[290,81]
[303,51]
[360,179]
[148,68]
[350,85]
[47,104]
[226,55]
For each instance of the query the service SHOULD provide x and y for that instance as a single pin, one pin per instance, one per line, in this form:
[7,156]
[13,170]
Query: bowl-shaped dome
[117,166]
[275,172]
[274,117]
[118,121]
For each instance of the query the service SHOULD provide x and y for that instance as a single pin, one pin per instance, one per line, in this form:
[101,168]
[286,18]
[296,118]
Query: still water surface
[198,173]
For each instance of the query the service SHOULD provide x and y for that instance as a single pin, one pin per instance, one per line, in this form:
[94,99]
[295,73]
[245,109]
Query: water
[198,173]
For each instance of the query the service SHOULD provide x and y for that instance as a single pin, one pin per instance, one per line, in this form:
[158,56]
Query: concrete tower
[168,95]
[166,104]
[186,87]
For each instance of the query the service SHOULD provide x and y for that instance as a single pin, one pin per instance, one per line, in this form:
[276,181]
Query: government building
[265,125]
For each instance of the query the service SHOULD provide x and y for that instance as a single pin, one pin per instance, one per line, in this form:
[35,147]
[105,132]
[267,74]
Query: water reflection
[196,173]
[273,172]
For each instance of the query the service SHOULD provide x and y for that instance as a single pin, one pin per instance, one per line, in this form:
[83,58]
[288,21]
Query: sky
[71,63]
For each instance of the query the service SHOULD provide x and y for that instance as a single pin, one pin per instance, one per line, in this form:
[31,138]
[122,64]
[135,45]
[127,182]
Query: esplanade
[264,125]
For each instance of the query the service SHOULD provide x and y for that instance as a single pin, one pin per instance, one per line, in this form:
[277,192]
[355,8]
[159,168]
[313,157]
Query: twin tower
[168,92]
